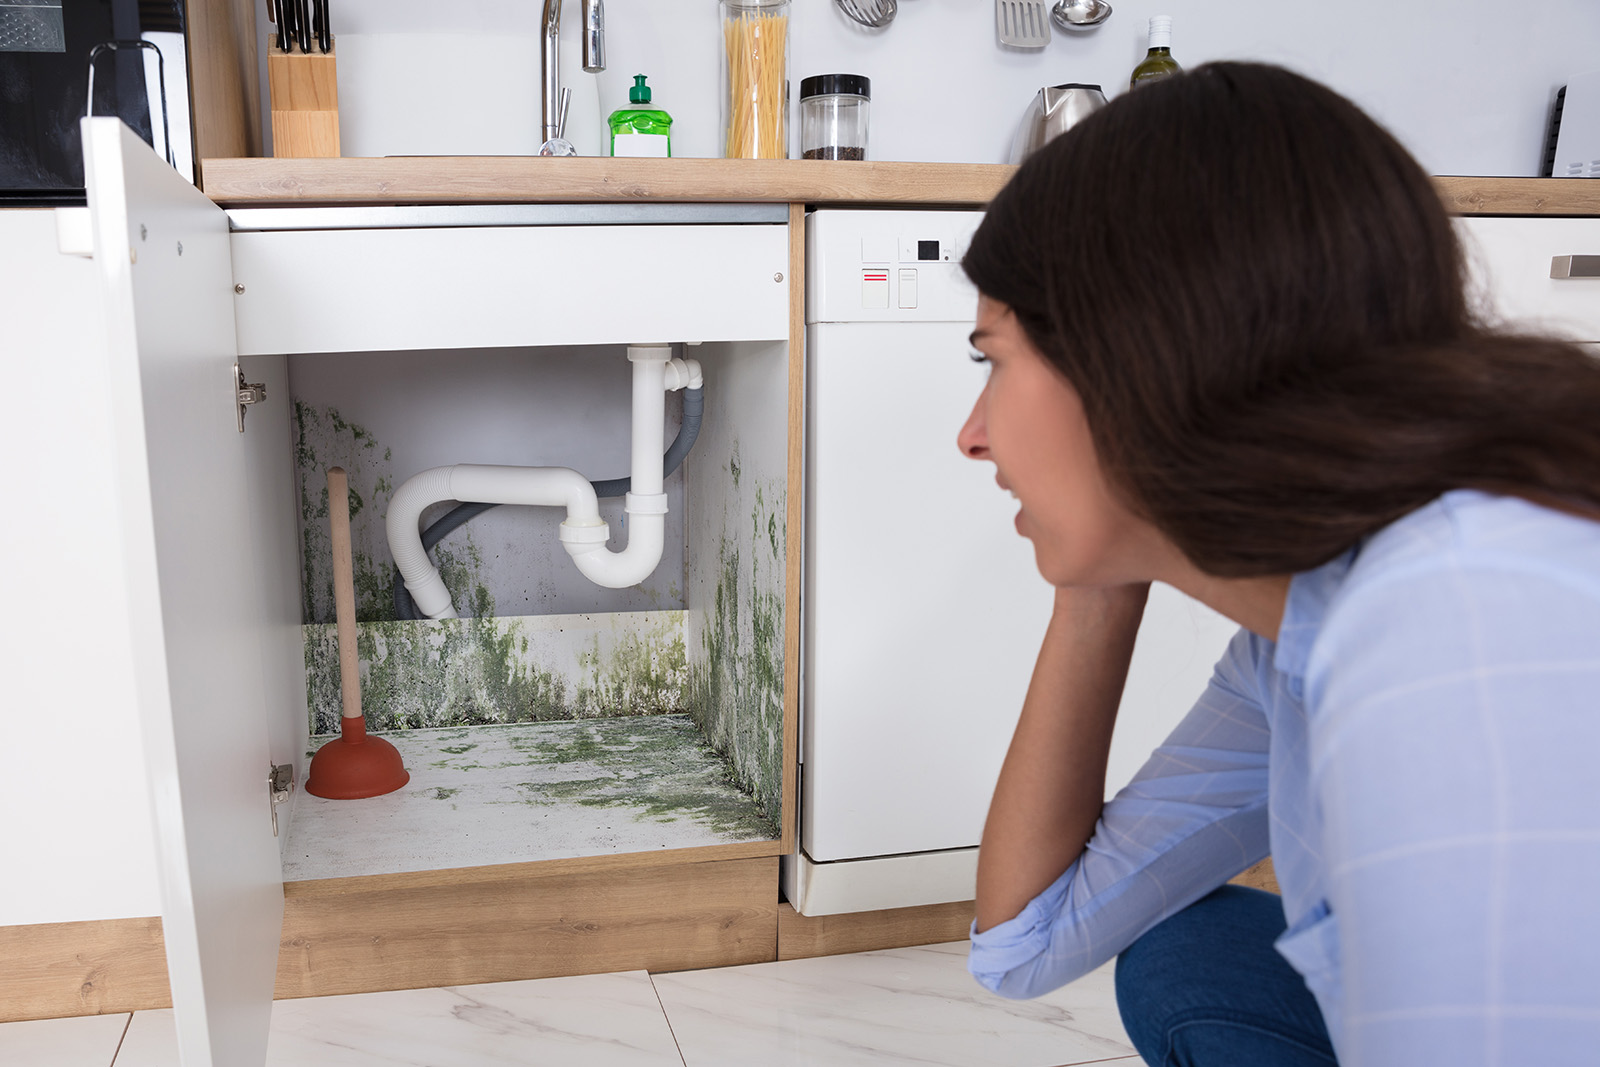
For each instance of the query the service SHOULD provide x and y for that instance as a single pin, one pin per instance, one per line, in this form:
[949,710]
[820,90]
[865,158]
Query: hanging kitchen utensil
[874,14]
[1022,23]
[1080,14]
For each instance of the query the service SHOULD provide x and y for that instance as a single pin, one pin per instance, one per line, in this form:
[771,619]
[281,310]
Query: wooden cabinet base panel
[803,936]
[55,970]
[482,924]
[1261,876]
[388,934]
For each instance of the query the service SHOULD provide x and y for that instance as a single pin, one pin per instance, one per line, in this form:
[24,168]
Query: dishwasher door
[923,608]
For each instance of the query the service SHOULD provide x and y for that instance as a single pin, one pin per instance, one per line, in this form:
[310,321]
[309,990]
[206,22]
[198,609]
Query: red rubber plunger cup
[352,765]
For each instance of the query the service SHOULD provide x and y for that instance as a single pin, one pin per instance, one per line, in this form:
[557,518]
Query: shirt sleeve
[1194,816]
[1454,726]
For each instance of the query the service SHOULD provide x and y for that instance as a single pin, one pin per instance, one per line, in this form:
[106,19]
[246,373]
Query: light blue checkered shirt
[1420,753]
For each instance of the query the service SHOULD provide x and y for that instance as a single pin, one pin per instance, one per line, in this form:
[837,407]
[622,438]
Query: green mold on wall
[418,674]
[736,682]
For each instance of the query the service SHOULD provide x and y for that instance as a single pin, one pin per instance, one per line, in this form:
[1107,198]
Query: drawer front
[1510,261]
[492,287]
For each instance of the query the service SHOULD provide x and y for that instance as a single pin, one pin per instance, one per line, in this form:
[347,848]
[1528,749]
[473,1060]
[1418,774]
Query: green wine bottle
[1158,62]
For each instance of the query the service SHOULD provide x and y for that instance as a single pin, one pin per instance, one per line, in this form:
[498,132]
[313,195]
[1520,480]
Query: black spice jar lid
[829,84]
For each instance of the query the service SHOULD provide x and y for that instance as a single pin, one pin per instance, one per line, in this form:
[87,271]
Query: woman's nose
[973,440]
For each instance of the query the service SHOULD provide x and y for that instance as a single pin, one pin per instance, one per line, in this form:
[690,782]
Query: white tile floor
[900,1006]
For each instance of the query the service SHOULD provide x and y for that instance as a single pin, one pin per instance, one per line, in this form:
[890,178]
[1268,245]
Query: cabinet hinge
[246,393]
[280,783]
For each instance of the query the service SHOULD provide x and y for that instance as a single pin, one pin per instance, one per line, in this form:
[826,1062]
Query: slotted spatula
[1022,23]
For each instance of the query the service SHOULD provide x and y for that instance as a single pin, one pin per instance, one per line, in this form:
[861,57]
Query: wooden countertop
[532,179]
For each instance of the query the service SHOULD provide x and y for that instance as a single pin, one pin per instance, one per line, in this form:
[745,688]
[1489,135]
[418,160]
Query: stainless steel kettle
[1053,111]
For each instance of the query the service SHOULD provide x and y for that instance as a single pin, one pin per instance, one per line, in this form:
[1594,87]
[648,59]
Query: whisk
[872,13]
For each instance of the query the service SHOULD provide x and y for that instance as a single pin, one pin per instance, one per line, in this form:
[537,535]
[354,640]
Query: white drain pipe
[583,533]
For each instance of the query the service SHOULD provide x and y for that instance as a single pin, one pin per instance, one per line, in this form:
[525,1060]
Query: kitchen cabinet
[1512,263]
[215,624]
[207,519]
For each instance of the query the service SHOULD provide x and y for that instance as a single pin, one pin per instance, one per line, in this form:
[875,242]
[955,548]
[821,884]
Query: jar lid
[829,84]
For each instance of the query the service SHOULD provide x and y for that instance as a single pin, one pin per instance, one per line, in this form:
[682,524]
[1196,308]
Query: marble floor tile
[607,1020]
[913,1005]
[87,1041]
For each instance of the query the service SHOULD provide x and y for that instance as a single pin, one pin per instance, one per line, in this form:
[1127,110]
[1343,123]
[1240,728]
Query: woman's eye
[977,357]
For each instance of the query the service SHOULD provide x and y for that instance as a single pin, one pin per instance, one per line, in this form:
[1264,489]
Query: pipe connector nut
[584,533]
[649,353]
[645,503]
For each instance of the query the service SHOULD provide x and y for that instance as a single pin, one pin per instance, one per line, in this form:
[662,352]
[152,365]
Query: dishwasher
[922,609]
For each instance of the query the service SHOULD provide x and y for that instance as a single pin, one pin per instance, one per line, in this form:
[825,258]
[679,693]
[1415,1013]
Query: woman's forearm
[1052,784]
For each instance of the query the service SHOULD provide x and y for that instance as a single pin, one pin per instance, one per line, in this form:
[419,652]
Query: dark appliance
[45,48]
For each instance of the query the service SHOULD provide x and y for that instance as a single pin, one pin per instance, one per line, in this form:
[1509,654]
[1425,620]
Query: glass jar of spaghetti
[755,79]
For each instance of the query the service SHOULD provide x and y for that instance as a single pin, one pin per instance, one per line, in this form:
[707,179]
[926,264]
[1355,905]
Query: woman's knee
[1183,968]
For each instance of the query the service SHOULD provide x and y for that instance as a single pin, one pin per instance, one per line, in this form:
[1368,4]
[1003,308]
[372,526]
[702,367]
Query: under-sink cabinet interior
[553,718]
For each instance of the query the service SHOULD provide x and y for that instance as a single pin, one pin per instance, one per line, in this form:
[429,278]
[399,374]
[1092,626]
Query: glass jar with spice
[833,116]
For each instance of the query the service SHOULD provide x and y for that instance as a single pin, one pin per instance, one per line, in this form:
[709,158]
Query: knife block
[305,104]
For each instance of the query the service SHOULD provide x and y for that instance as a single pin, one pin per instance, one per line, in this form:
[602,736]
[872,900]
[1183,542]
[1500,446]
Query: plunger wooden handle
[344,596]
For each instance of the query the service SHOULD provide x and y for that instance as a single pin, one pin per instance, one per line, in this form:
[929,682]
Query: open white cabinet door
[198,618]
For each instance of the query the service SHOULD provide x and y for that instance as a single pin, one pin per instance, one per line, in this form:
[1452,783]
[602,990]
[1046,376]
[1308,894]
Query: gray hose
[693,409]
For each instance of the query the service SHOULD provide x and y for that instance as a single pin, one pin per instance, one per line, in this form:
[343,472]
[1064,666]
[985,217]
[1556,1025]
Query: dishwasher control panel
[880,265]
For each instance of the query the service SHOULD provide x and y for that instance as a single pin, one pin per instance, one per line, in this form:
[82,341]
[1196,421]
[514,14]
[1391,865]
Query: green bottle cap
[640,93]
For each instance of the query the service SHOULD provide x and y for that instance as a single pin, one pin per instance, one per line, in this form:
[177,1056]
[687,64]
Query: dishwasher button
[908,288]
[875,288]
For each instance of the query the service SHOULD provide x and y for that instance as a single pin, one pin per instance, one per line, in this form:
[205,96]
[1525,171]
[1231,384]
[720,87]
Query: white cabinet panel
[71,760]
[1510,263]
[489,287]
[197,619]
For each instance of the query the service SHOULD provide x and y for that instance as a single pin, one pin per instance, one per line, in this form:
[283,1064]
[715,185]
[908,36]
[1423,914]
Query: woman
[1230,350]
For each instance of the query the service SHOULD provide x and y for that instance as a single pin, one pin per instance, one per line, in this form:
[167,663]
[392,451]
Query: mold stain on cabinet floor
[531,791]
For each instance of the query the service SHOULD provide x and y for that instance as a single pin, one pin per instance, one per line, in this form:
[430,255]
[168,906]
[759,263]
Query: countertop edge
[532,179]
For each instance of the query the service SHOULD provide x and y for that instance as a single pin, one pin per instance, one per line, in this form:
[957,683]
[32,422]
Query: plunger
[355,764]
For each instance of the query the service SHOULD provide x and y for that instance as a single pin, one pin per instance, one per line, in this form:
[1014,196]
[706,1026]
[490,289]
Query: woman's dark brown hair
[1260,300]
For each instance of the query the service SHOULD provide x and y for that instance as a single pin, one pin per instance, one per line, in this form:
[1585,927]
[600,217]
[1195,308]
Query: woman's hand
[1052,785]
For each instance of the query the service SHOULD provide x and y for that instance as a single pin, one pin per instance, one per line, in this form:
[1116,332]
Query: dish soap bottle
[1158,61]
[641,130]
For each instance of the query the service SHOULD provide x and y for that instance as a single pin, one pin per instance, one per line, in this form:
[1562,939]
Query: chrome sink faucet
[594,59]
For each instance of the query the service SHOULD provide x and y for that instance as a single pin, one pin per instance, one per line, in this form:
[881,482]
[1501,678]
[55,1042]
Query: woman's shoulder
[1470,579]
[1468,532]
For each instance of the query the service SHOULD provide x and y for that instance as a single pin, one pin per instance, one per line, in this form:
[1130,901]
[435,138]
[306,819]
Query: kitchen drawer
[1510,263]
[370,290]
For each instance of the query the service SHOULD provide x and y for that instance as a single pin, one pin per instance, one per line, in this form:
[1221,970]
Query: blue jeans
[1206,988]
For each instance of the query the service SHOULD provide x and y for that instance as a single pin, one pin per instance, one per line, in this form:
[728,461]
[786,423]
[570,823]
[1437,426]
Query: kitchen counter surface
[534,179]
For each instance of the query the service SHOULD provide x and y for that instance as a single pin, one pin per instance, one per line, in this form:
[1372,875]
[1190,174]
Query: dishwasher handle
[1575,266]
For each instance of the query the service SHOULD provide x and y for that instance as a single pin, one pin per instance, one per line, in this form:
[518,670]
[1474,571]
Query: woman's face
[1029,423]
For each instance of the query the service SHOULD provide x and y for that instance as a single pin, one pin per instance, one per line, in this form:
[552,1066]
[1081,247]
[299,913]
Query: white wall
[1466,84]
[75,838]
